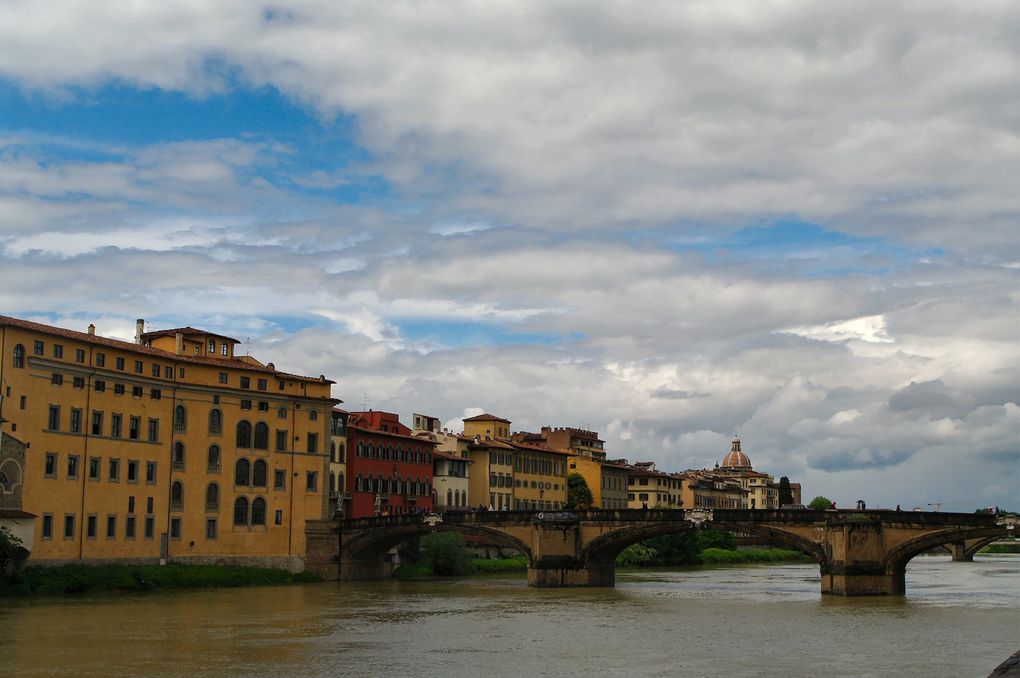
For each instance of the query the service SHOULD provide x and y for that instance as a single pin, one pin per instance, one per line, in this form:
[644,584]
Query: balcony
[176,505]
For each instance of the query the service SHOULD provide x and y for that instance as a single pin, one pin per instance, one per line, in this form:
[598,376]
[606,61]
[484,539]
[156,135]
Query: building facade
[169,447]
[647,487]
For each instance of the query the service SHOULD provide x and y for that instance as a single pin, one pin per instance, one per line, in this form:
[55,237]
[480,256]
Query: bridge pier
[960,552]
[553,573]
[863,581]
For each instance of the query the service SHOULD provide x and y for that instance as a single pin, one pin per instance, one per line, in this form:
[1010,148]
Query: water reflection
[957,619]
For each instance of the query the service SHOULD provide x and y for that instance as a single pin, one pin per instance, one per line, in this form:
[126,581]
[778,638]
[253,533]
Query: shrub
[446,554]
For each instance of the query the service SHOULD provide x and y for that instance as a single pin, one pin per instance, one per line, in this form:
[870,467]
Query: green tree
[446,554]
[820,503]
[785,493]
[678,548]
[578,493]
[717,539]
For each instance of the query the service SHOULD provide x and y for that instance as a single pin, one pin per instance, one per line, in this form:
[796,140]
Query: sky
[797,222]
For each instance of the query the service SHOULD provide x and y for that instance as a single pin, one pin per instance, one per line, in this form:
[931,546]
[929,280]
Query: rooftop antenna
[247,346]
[366,401]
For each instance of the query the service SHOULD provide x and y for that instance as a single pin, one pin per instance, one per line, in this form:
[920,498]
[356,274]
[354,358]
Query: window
[150,527]
[278,519]
[91,526]
[95,464]
[177,496]
[118,389]
[243,434]
[132,471]
[72,466]
[262,385]
[223,377]
[281,413]
[136,391]
[213,459]
[313,415]
[258,511]
[51,465]
[100,386]
[245,404]
[215,421]
[100,360]
[69,526]
[180,372]
[210,528]
[153,430]
[241,511]
[261,436]
[97,423]
[168,372]
[212,497]
[58,351]
[155,394]
[37,347]
[75,420]
[131,504]
[279,479]
[19,356]
[313,443]
[259,472]
[113,468]
[212,346]
[245,382]
[79,382]
[281,440]
[57,379]
[177,461]
[139,368]
[242,470]
[111,527]
[120,364]
[180,419]
[47,526]
[79,357]
[223,348]
[129,527]
[155,369]
[263,406]
[150,473]
[53,422]
[311,481]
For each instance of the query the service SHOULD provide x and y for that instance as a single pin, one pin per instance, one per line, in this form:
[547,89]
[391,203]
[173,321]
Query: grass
[66,579]
[723,556]
[1001,548]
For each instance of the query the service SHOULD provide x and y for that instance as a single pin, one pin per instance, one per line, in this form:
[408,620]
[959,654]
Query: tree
[785,493]
[578,493]
[717,539]
[446,554]
[9,545]
[820,503]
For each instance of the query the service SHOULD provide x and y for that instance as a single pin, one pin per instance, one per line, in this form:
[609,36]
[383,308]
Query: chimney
[179,343]
[139,330]
[92,330]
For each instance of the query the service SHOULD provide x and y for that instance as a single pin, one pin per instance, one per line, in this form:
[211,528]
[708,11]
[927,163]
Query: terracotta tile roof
[389,434]
[148,350]
[188,332]
[538,448]
[448,455]
[487,417]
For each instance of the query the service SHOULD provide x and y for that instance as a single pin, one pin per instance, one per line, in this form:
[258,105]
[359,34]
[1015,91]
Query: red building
[389,471]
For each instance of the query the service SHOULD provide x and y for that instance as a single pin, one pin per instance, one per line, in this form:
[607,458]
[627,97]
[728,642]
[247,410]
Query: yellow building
[338,495]
[762,491]
[606,480]
[168,447]
[540,478]
[648,487]
[706,490]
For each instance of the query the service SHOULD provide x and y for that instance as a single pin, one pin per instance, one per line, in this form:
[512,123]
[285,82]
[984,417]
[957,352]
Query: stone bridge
[858,552]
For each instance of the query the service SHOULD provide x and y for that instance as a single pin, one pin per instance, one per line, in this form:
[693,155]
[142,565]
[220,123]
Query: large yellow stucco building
[169,447]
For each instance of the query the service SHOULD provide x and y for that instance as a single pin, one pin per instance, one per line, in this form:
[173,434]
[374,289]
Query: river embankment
[74,578]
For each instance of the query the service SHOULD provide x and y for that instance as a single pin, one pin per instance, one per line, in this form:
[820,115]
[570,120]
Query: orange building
[171,447]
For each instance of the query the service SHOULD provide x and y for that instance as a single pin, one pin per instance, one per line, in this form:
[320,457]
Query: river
[957,619]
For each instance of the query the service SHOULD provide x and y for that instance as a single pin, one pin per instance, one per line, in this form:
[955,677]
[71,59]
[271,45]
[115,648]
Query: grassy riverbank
[725,556]
[86,579]
[1001,548]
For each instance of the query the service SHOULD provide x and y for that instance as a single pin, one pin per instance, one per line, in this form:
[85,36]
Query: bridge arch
[897,558]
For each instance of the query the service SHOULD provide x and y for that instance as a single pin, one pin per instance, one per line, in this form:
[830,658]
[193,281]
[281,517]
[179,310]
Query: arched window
[241,511]
[261,436]
[361,449]
[258,511]
[340,482]
[332,483]
[259,471]
[375,484]
[212,346]
[213,461]
[342,456]
[180,419]
[215,421]
[359,483]
[243,434]
[19,356]
[242,470]
[178,459]
[369,451]
[332,451]
[428,458]
[177,496]
[313,415]
[449,497]
[398,486]
[417,456]
[212,497]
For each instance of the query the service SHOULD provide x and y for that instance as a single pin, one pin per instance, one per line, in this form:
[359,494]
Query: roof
[389,434]
[119,344]
[439,454]
[188,332]
[487,417]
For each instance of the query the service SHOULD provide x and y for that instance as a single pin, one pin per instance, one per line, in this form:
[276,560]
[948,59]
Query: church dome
[735,458]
